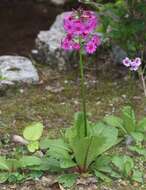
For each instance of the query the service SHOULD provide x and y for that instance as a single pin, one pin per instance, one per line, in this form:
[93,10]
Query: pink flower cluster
[132,64]
[79,26]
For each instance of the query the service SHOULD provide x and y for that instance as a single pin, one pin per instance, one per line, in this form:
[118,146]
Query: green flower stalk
[83,93]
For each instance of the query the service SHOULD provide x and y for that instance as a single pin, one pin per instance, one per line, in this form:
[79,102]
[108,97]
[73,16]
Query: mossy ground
[55,100]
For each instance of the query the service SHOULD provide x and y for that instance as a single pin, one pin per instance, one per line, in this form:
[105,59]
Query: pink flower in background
[132,64]
[127,62]
[79,26]
[137,61]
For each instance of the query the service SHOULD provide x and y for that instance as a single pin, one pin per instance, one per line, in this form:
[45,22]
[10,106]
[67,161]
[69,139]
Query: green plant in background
[123,23]
[32,134]
[127,124]
[11,169]
[125,167]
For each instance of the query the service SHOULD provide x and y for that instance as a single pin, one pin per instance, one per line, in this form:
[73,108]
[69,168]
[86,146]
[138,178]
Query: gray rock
[17,69]
[118,54]
[48,45]
[58,2]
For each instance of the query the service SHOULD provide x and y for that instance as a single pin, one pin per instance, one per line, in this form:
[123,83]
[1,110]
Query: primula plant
[135,65]
[84,141]
[128,125]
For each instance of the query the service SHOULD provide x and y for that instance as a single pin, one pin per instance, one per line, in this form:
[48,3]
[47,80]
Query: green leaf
[27,161]
[58,149]
[102,161]
[79,124]
[3,164]
[102,176]
[3,177]
[47,164]
[84,149]
[137,176]
[124,164]
[139,150]
[142,125]
[57,153]
[137,136]
[67,180]
[118,162]
[110,135]
[15,177]
[33,132]
[35,174]
[102,164]
[13,164]
[114,121]
[78,128]
[129,165]
[129,119]
[64,163]
[54,143]
[33,146]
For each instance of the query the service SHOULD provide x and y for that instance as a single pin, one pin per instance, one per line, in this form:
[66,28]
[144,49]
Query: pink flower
[68,27]
[66,44]
[132,64]
[127,62]
[79,26]
[90,47]
[135,64]
[96,39]
[69,37]
[137,61]
[76,46]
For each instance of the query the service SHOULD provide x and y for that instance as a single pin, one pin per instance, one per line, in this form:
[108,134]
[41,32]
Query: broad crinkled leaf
[33,146]
[33,132]
[3,164]
[64,163]
[47,164]
[124,163]
[86,149]
[101,162]
[137,136]
[114,121]
[102,176]
[139,150]
[54,143]
[138,176]
[129,119]
[67,180]
[118,162]
[110,135]
[27,161]
[13,164]
[58,153]
[141,127]
[3,177]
